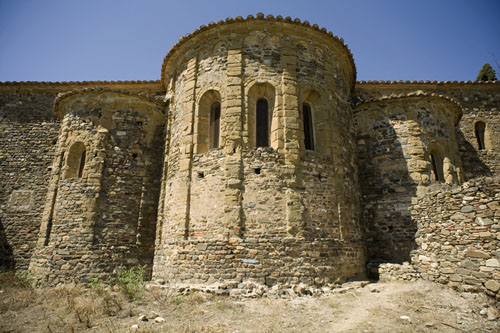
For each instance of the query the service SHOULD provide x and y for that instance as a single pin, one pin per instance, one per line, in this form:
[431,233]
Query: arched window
[437,166]
[75,161]
[262,123]
[308,126]
[207,122]
[479,128]
[214,125]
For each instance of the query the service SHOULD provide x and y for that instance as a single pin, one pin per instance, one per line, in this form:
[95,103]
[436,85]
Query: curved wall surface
[273,196]
[406,144]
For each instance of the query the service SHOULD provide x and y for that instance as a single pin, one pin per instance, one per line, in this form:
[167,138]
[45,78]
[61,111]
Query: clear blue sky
[75,40]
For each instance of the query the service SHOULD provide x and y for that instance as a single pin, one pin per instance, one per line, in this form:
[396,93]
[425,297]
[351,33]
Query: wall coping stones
[416,94]
[96,90]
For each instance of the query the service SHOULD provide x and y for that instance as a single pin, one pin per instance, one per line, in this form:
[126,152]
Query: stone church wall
[397,139]
[223,210]
[104,215]
[154,189]
[29,131]
[28,135]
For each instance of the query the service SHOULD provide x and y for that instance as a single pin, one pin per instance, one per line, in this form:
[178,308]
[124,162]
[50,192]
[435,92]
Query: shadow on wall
[387,191]
[472,165]
[6,255]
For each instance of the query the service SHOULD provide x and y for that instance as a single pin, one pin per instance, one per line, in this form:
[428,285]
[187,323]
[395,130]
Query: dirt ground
[376,307]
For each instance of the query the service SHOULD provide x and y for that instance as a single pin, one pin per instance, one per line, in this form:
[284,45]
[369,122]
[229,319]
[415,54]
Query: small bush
[131,281]
[25,279]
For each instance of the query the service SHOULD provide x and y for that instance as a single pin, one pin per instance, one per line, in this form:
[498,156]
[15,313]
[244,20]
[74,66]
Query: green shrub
[131,281]
[25,279]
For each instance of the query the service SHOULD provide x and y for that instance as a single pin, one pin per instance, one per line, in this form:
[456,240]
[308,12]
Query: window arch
[308,126]
[214,125]
[479,129]
[207,123]
[262,123]
[75,161]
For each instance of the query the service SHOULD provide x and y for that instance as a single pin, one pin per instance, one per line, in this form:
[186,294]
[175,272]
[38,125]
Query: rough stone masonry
[257,157]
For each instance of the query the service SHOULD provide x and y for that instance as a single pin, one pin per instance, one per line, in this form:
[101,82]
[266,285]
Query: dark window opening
[82,164]
[214,125]
[262,123]
[257,171]
[308,127]
[134,156]
[201,174]
[479,131]
[435,168]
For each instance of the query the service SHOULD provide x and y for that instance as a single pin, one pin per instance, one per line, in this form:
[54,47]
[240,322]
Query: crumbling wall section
[458,238]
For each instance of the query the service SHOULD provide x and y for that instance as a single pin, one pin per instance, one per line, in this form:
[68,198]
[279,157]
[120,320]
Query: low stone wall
[265,261]
[458,238]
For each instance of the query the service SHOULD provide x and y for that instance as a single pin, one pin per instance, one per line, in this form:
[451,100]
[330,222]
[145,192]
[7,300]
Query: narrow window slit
[215,125]
[308,127]
[82,164]
[479,128]
[262,123]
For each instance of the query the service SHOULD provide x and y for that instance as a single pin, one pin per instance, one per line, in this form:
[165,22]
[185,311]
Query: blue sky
[76,40]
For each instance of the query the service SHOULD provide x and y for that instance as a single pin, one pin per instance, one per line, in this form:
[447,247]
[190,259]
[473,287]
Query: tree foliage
[487,73]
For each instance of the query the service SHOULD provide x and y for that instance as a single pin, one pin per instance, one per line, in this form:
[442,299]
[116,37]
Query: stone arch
[219,48]
[75,161]
[251,41]
[436,159]
[204,131]
[258,92]
[319,120]
[302,46]
[203,54]
[272,41]
[318,53]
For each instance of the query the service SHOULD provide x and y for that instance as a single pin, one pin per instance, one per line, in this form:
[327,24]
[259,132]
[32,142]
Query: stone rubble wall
[29,131]
[28,136]
[263,259]
[458,238]
[105,217]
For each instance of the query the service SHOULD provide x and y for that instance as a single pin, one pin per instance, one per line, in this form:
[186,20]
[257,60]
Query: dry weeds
[75,308]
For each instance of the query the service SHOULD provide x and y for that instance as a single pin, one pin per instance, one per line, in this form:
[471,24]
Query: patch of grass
[25,278]
[130,281]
